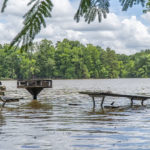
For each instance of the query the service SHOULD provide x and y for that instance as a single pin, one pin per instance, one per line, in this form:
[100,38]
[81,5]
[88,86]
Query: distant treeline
[71,60]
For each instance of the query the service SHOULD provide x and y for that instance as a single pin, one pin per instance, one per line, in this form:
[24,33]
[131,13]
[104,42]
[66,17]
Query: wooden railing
[34,83]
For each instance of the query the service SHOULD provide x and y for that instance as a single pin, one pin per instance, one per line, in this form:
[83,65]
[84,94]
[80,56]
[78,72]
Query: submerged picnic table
[5,100]
[142,98]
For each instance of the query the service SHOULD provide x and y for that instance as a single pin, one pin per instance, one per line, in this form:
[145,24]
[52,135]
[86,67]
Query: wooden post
[3,104]
[132,101]
[103,98]
[142,102]
[93,101]
[34,91]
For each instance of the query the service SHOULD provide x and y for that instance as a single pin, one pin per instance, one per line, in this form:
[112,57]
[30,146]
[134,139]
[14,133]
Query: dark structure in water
[142,98]
[34,87]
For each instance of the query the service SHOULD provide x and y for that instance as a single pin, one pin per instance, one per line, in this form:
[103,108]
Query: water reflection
[35,104]
[2,123]
[2,119]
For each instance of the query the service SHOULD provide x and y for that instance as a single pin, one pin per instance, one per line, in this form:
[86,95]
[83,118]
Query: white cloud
[16,7]
[125,35]
[146,17]
[61,8]
[134,34]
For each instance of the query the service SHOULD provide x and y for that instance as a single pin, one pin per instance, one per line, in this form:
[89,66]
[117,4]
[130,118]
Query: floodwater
[71,123]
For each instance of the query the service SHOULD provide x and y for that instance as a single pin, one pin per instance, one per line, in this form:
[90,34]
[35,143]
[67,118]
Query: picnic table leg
[132,101]
[103,98]
[142,102]
[93,101]
[3,104]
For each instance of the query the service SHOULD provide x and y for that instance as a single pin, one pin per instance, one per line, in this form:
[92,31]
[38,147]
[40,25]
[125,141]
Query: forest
[71,60]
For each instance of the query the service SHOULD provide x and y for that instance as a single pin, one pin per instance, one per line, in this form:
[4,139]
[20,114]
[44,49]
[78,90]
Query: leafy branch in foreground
[41,9]
[89,9]
[33,20]
[4,5]
[130,3]
[147,7]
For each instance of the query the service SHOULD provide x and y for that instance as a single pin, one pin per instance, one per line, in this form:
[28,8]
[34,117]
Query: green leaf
[130,3]
[34,20]
[4,5]
[89,9]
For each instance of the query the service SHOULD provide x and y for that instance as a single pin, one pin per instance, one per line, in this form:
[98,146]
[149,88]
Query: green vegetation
[71,60]
[39,10]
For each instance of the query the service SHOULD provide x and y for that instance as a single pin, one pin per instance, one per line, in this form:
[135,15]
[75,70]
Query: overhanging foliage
[35,18]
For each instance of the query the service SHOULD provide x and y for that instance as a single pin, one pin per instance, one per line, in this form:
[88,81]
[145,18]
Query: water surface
[76,127]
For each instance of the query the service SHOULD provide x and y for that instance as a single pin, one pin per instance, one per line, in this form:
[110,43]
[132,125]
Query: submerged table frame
[103,95]
[7,100]
[34,86]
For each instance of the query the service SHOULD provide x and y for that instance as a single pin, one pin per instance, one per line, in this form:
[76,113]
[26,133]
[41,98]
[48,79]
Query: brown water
[76,127]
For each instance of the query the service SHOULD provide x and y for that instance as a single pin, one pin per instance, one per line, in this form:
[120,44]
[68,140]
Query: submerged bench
[104,94]
[5,100]
[2,89]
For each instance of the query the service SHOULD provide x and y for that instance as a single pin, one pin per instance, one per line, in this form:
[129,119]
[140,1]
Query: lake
[64,126]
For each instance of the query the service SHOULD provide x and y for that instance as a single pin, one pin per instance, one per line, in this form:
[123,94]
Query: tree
[71,60]
[92,60]
[67,58]
[44,55]
[36,16]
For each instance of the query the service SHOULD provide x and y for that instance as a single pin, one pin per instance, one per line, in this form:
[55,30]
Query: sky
[125,32]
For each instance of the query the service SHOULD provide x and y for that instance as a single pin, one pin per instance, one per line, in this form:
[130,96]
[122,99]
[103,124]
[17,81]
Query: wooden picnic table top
[100,94]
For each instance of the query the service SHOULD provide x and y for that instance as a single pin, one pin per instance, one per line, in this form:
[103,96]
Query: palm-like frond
[129,3]
[89,9]
[34,19]
[147,7]
[4,5]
